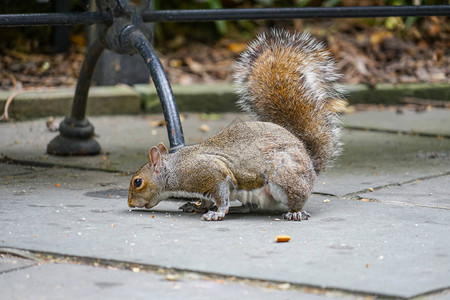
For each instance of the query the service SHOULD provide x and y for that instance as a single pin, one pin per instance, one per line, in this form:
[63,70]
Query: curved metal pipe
[169,107]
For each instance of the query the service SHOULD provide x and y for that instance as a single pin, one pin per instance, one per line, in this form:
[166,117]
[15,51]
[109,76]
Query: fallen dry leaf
[158,123]
[204,128]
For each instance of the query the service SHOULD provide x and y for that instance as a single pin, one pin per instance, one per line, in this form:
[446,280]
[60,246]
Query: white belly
[268,197]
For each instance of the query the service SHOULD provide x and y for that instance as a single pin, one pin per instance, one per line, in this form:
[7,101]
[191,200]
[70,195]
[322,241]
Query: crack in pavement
[9,160]
[397,132]
[356,194]
[175,274]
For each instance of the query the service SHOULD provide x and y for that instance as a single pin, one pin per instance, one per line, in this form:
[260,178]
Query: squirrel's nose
[131,203]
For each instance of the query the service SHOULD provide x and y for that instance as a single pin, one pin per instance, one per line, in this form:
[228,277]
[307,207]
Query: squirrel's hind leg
[292,184]
[294,198]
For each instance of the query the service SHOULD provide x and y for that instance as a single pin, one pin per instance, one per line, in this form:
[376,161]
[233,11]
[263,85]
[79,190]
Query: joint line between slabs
[398,132]
[51,257]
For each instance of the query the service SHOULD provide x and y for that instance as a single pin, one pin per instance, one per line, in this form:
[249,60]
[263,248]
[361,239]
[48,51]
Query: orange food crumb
[57,185]
[282,238]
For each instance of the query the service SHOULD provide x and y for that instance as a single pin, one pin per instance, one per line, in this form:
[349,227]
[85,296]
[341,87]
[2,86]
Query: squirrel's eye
[137,182]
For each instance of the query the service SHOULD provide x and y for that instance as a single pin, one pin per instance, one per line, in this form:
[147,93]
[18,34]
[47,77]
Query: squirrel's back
[289,79]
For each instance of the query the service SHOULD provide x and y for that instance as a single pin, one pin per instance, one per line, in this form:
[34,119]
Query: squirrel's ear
[154,159]
[162,148]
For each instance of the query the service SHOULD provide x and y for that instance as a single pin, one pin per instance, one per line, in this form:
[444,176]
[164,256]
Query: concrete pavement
[380,225]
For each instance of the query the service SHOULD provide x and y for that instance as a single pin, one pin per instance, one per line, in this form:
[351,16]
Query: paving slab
[120,99]
[191,98]
[435,122]
[71,281]
[432,192]
[387,93]
[370,247]
[370,159]
[373,160]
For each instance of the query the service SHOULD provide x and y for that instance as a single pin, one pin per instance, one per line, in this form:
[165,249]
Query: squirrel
[287,82]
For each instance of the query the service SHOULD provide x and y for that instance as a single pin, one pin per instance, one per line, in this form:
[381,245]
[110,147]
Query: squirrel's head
[147,184]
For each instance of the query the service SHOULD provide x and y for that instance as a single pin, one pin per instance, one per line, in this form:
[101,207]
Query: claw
[296,216]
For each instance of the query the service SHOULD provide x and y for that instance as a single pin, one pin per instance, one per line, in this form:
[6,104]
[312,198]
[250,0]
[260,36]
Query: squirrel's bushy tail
[289,79]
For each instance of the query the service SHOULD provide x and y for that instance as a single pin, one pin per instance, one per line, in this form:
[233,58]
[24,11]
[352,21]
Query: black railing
[293,13]
[122,30]
[55,19]
[208,15]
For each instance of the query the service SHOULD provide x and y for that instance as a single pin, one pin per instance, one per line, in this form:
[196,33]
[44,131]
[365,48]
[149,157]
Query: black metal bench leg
[170,110]
[76,133]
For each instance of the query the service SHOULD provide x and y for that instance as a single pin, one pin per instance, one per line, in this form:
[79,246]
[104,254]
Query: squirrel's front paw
[296,216]
[213,215]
